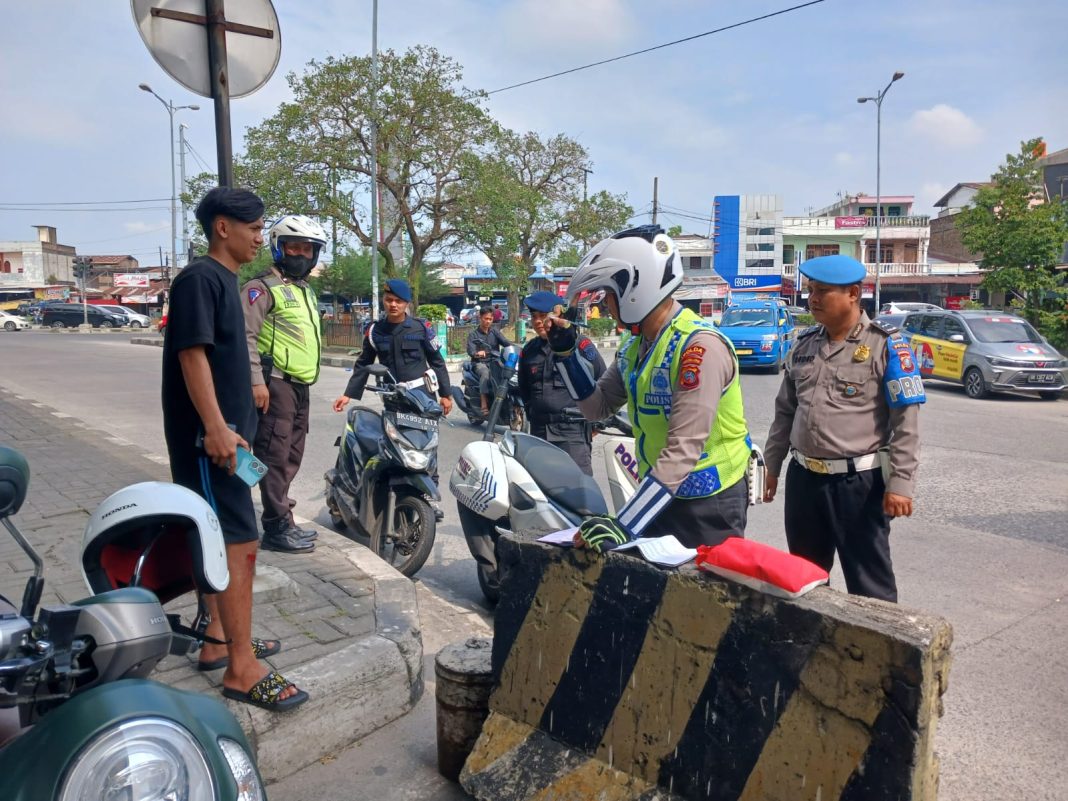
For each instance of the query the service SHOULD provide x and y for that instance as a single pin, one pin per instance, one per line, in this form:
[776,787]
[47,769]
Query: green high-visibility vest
[290,331]
[649,383]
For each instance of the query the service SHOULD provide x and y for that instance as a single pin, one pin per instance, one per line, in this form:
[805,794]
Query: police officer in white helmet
[679,378]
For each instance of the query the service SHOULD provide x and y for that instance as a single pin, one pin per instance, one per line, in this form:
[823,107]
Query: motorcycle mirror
[378,370]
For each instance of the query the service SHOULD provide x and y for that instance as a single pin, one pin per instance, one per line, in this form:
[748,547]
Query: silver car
[133,318]
[986,351]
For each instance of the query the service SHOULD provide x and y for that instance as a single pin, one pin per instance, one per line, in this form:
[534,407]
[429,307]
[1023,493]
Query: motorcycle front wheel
[414,528]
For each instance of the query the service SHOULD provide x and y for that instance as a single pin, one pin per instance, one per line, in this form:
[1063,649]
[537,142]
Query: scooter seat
[367,425]
[558,476]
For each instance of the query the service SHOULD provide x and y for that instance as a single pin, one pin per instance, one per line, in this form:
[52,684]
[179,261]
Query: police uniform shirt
[540,385]
[693,408]
[257,302]
[833,403]
[406,348]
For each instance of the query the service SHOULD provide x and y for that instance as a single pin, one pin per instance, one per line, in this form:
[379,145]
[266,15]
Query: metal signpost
[213,55]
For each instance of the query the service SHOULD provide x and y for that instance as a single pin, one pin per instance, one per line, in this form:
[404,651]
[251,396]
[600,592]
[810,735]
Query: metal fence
[342,334]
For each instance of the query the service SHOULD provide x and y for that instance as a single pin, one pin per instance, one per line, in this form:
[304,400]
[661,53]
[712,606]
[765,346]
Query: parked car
[71,315]
[895,320]
[986,351]
[469,316]
[9,322]
[904,308]
[762,332]
[134,319]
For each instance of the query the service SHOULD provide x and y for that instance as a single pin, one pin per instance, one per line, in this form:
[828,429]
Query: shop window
[886,253]
[787,254]
[815,251]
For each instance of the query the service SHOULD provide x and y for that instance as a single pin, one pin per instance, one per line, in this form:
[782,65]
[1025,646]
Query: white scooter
[524,484]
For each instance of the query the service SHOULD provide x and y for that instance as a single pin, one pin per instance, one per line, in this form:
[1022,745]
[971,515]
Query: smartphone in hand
[249,469]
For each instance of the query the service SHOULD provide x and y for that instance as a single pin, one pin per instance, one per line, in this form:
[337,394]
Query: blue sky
[769,108]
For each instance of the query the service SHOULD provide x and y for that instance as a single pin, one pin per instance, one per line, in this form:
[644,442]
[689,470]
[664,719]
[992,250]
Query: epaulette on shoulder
[807,332]
[884,327]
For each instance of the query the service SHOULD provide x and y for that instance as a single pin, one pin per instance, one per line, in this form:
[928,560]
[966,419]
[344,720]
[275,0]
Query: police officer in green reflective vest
[284,345]
[679,379]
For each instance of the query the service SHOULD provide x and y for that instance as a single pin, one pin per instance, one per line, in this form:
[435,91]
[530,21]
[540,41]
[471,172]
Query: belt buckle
[817,466]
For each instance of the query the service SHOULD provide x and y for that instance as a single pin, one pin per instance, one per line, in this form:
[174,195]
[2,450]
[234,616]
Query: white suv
[133,318]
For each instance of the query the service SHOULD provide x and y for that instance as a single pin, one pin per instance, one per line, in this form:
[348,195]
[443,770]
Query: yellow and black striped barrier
[617,680]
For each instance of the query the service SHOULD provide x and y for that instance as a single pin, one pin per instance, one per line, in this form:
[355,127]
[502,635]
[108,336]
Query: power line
[80,202]
[59,209]
[656,47]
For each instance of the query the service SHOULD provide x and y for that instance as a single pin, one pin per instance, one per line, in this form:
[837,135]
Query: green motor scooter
[79,718]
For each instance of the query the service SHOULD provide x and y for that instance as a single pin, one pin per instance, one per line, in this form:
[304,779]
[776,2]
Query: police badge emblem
[862,353]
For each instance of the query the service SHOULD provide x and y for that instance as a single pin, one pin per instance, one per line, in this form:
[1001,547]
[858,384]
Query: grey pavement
[987,549]
[348,622]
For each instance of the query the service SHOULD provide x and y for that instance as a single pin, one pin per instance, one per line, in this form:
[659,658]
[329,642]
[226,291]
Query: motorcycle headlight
[243,771]
[394,434]
[414,458]
[140,760]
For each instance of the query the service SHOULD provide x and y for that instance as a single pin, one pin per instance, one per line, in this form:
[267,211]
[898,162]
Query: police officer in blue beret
[406,345]
[847,418]
[543,391]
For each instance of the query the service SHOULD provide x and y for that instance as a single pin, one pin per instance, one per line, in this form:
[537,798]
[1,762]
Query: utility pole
[374,161]
[878,100]
[185,210]
[218,69]
[585,174]
[656,208]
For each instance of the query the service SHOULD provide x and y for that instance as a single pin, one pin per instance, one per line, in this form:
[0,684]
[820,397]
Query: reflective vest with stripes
[649,383]
[290,331]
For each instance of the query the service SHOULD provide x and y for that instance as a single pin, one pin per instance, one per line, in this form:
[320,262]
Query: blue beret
[838,269]
[543,301]
[400,289]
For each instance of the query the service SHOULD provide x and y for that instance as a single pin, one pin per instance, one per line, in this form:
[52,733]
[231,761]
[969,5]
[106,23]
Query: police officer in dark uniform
[847,419]
[406,345]
[543,390]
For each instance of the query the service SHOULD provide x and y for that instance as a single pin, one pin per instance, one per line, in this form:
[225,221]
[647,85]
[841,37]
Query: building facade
[36,264]
[747,239]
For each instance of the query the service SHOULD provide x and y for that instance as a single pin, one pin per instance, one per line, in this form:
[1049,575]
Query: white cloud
[946,125]
[566,25]
[138,227]
[843,159]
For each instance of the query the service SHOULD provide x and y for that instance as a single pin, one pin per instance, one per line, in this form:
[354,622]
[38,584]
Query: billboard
[131,279]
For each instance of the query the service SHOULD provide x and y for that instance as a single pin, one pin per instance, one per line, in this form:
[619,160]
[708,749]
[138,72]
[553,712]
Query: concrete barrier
[616,680]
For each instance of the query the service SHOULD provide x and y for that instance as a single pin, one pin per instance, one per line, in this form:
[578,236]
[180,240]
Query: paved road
[987,548]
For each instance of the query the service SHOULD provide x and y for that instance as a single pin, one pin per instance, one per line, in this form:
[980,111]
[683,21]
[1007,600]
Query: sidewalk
[349,623]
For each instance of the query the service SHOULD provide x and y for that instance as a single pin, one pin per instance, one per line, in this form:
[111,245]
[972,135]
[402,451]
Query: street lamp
[878,100]
[171,108]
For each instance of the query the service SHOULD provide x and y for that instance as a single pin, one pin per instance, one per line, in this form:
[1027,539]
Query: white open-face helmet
[639,265]
[298,228]
[169,529]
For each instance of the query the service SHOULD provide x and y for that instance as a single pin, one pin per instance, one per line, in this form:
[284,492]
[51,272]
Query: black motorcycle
[379,487]
[469,397]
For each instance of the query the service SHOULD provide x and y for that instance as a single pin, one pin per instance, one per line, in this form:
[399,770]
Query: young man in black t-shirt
[207,413]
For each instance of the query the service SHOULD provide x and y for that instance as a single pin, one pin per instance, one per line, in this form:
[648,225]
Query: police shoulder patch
[807,332]
[587,349]
[254,294]
[884,327]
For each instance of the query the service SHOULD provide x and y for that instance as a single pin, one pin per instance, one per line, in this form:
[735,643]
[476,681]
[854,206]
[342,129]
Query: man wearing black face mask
[282,326]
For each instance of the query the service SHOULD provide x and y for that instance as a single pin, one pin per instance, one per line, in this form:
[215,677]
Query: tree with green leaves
[314,156]
[523,200]
[1018,230]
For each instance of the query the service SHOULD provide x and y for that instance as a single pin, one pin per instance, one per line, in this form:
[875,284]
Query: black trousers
[842,513]
[704,521]
[571,437]
[280,445]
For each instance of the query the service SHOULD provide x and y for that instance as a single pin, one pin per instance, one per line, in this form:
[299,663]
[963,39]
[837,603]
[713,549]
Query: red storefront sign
[956,301]
[850,222]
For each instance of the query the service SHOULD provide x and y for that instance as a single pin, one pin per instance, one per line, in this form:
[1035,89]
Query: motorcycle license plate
[1041,378]
[744,351]
[415,421]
